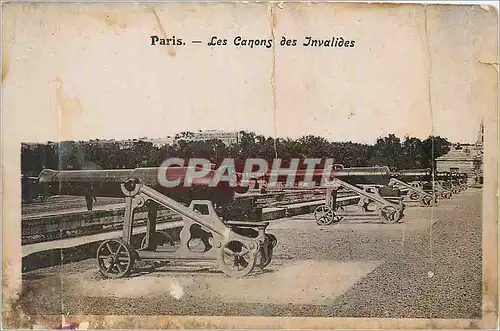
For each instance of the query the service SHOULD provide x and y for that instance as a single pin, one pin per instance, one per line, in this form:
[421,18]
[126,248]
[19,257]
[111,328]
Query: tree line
[392,151]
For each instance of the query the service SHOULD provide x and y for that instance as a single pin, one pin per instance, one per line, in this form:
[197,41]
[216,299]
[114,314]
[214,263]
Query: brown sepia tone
[81,72]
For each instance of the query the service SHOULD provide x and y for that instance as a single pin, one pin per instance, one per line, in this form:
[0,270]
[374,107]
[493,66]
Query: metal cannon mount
[371,205]
[415,192]
[437,188]
[440,188]
[236,247]
[438,184]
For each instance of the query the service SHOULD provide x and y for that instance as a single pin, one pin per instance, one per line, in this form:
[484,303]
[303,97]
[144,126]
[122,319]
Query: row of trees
[389,151]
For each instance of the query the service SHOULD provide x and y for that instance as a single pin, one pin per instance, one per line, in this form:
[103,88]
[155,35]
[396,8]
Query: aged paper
[406,92]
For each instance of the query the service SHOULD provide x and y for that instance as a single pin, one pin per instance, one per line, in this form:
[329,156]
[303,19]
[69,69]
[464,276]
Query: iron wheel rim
[115,258]
[390,214]
[234,255]
[323,215]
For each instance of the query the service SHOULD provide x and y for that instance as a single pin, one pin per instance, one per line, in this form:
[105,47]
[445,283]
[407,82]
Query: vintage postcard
[249,165]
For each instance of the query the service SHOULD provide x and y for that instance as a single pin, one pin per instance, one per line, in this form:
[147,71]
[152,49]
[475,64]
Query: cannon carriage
[451,181]
[414,188]
[383,195]
[438,188]
[458,181]
[377,202]
[424,180]
[441,185]
[237,247]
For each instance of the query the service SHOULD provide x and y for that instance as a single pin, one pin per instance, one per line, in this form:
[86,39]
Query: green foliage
[387,151]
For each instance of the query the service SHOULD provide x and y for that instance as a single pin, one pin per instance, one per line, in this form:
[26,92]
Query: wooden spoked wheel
[414,196]
[323,215]
[236,259]
[427,201]
[390,214]
[115,258]
[446,194]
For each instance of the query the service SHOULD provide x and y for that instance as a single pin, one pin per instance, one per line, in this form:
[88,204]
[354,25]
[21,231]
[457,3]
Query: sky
[89,71]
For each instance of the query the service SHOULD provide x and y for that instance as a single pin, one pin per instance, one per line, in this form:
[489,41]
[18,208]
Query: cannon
[447,181]
[353,175]
[377,201]
[410,181]
[236,247]
[106,183]
[443,183]
[457,181]
[451,181]
[425,180]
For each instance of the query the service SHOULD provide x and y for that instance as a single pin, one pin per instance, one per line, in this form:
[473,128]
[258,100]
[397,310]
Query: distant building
[102,141]
[160,142]
[466,158]
[227,138]
[125,144]
[157,142]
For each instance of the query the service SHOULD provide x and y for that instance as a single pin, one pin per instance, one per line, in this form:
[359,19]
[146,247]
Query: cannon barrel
[426,175]
[363,175]
[410,175]
[362,172]
[354,175]
[107,183]
[414,173]
[335,172]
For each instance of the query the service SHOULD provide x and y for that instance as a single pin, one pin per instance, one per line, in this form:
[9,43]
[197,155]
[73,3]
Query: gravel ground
[410,270]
